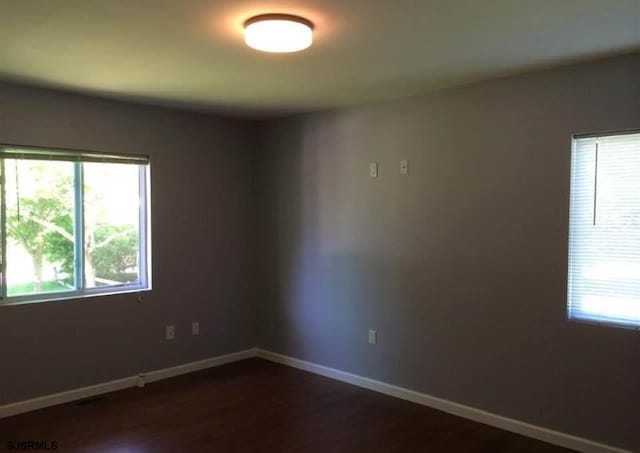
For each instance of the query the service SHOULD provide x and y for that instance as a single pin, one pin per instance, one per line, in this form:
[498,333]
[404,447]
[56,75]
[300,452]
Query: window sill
[604,323]
[71,295]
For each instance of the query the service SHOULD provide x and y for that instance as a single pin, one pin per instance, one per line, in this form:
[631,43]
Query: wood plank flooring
[256,406]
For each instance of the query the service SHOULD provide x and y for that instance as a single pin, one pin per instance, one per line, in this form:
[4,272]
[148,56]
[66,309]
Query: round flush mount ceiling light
[278,33]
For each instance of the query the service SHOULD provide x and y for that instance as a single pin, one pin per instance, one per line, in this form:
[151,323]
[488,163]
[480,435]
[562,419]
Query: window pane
[111,224]
[604,247]
[39,213]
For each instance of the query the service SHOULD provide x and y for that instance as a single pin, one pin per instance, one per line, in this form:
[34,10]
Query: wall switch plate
[373,336]
[195,328]
[373,169]
[404,167]
[169,332]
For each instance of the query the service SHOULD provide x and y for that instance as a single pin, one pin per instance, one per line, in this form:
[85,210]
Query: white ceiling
[191,53]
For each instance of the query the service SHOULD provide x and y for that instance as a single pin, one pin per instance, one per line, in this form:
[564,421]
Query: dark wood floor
[257,406]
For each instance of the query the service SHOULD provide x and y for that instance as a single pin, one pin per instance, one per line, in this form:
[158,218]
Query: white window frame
[144,244]
[581,315]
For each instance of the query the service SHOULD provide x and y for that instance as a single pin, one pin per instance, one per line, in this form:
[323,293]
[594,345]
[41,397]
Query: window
[73,224]
[604,230]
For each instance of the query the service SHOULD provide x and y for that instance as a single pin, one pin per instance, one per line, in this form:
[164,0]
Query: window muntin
[74,224]
[604,232]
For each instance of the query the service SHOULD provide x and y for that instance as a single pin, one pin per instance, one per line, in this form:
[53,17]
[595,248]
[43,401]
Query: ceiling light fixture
[278,33]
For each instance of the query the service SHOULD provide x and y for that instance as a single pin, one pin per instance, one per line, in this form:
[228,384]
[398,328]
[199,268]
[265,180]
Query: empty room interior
[320,226]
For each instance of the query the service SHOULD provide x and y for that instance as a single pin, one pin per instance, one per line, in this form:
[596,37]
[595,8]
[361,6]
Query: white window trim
[571,317]
[144,266]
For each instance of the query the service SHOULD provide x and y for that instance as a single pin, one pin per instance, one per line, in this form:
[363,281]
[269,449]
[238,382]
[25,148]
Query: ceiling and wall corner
[191,53]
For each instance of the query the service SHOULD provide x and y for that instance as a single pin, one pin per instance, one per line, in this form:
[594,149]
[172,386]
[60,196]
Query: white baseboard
[471,413]
[190,367]
[20,407]
[41,402]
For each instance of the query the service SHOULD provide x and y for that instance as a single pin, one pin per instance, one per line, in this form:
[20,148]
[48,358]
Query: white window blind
[604,230]
[35,153]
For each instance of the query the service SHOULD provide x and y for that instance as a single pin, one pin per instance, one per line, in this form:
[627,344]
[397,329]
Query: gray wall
[461,267]
[203,242]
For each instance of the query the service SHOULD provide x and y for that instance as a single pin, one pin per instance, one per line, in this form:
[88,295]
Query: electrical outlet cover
[170,332]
